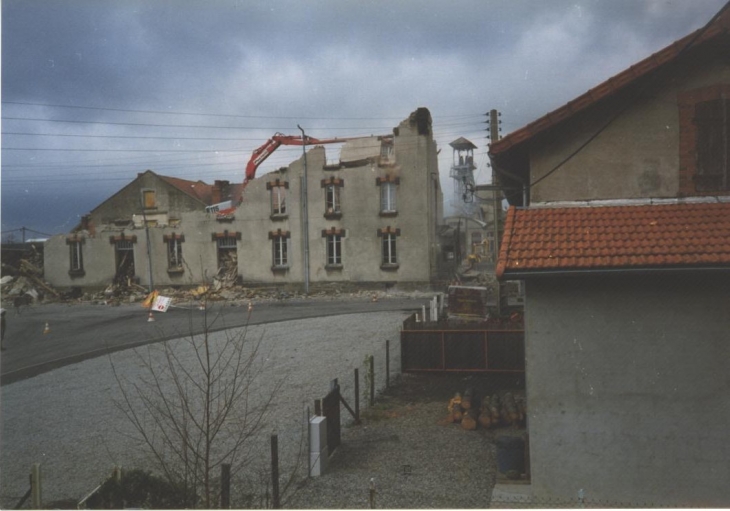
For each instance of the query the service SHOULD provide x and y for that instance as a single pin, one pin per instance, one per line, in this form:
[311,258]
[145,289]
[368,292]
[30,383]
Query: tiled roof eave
[522,274]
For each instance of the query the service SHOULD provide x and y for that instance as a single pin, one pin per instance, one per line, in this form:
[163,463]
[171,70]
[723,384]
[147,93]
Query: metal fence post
[372,380]
[36,493]
[387,364]
[357,396]
[226,486]
[275,471]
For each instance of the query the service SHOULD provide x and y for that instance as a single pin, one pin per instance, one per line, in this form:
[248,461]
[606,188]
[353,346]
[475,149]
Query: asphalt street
[45,337]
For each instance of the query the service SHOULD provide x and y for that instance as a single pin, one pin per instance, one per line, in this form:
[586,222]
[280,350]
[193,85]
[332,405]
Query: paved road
[80,332]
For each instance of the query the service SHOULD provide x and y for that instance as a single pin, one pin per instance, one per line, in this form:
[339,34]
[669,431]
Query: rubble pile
[23,284]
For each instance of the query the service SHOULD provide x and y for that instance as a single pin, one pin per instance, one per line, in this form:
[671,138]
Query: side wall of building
[411,167]
[635,156]
[627,384]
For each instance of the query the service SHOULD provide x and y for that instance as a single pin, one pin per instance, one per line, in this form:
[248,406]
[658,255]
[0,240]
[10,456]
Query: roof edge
[719,23]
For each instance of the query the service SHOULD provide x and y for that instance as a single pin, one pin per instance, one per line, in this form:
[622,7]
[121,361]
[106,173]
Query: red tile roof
[613,84]
[565,239]
[196,189]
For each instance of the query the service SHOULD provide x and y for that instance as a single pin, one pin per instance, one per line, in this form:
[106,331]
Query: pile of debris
[24,285]
[506,409]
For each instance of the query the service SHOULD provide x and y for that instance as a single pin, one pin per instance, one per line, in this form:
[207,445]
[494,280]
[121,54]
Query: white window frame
[76,256]
[334,249]
[278,200]
[389,252]
[388,191]
[280,251]
[174,254]
[332,199]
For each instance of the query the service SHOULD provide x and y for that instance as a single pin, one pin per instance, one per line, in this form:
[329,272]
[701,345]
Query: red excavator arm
[271,145]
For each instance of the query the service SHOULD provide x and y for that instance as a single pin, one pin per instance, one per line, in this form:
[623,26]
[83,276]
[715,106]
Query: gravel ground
[67,421]
[416,459]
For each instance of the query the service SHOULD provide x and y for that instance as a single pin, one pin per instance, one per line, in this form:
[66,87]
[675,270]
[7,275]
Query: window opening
[77,261]
[332,199]
[124,258]
[278,200]
[227,258]
[149,199]
[713,144]
[280,251]
[174,254]
[334,249]
[387,197]
[389,249]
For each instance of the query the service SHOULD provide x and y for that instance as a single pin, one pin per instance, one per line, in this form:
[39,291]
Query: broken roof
[609,238]
[195,189]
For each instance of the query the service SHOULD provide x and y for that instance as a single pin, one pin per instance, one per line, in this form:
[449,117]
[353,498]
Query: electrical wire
[237,116]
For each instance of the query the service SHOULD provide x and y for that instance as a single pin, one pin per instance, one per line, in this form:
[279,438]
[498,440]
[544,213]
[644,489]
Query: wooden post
[387,363]
[275,471]
[117,475]
[36,493]
[372,493]
[309,444]
[226,486]
[357,396]
[372,380]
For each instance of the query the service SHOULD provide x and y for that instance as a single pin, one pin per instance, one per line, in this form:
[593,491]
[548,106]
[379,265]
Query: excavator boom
[259,155]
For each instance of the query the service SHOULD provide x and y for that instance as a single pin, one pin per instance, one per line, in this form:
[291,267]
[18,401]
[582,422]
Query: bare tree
[199,407]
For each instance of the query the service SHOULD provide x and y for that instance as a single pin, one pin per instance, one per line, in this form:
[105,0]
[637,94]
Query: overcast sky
[94,92]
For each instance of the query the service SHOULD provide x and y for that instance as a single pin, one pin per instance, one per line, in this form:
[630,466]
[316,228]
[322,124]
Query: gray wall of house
[419,213]
[128,201]
[418,200]
[628,388]
[636,156]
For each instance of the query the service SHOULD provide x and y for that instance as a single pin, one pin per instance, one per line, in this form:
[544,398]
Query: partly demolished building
[371,218]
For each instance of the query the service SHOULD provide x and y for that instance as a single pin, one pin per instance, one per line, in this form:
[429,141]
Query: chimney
[221,191]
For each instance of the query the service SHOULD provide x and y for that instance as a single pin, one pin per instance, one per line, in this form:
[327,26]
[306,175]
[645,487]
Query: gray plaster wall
[636,156]
[628,388]
[419,213]
[128,201]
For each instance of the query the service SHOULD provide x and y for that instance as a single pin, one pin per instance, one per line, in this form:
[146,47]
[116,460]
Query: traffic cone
[150,318]
[47,328]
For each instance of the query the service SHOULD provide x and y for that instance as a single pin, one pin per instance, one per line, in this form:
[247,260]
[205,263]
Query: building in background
[373,218]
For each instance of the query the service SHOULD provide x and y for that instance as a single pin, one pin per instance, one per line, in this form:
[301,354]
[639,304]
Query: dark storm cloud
[338,68]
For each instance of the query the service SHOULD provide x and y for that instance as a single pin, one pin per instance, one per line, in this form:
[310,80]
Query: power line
[126,150]
[145,137]
[237,116]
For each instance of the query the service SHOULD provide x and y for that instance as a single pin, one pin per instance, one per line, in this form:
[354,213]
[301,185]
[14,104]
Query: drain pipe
[305,213]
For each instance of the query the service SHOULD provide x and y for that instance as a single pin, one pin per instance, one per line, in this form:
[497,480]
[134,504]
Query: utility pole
[494,130]
[305,213]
